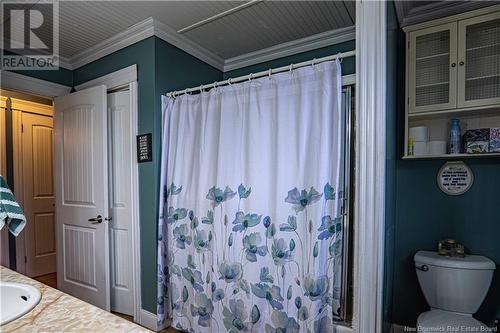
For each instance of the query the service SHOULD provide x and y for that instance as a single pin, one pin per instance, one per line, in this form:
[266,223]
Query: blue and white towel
[10,211]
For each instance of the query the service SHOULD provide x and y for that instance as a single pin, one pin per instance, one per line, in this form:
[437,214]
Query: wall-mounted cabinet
[453,71]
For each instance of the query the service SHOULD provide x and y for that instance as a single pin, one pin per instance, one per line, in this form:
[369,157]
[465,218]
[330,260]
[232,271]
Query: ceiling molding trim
[30,85]
[142,30]
[65,63]
[132,35]
[444,10]
[171,36]
[290,48]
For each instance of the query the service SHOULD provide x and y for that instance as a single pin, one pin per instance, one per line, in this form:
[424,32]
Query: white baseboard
[148,319]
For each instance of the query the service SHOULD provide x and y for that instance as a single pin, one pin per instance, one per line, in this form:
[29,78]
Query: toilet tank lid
[468,262]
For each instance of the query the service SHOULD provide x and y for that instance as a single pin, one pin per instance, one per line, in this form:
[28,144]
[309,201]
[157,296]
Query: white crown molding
[290,48]
[171,36]
[65,63]
[27,84]
[142,30]
[132,35]
[444,10]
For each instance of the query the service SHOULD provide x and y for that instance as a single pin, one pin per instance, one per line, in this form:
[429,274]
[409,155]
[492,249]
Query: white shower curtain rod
[269,72]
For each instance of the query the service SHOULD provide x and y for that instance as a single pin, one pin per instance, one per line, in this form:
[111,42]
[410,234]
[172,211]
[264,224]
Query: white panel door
[120,202]
[81,179]
[38,193]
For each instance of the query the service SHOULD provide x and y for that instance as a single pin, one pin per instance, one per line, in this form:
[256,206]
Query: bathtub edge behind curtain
[250,228]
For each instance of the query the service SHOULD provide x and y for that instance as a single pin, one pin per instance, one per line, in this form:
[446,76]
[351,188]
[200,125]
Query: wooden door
[38,190]
[81,179]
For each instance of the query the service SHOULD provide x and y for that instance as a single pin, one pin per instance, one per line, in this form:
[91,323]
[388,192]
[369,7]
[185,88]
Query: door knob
[96,220]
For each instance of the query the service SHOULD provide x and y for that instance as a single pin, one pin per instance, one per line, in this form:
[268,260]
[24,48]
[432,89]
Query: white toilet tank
[452,283]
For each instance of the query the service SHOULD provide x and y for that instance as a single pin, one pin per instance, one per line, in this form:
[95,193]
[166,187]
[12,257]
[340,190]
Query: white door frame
[32,107]
[370,165]
[121,78]
[33,86]
[38,87]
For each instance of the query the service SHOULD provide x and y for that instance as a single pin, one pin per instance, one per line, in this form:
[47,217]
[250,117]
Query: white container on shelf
[419,133]
[420,148]
[437,147]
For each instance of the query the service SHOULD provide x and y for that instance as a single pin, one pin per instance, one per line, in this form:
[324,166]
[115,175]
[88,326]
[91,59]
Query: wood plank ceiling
[260,24]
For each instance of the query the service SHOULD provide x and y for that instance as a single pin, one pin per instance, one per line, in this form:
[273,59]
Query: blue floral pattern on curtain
[221,289]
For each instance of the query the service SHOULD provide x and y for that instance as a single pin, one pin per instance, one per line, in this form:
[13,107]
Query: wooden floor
[130,318]
[51,280]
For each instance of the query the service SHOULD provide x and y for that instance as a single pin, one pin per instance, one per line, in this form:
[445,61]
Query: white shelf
[433,56]
[451,156]
[482,47]
[432,85]
[482,77]
[458,112]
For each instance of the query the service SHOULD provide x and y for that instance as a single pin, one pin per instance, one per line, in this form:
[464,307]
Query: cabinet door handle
[453,64]
[461,63]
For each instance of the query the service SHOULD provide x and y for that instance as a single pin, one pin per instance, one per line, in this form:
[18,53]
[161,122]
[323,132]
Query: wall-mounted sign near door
[144,148]
[455,178]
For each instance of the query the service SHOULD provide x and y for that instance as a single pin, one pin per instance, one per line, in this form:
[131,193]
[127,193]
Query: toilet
[454,288]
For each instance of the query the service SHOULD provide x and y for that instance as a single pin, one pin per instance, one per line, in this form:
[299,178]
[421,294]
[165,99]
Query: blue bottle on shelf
[455,137]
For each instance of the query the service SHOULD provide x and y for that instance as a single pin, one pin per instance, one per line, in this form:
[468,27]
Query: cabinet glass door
[432,69]
[479,61]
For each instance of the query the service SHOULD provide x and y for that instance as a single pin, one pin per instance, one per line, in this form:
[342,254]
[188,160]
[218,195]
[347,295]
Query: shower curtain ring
[339,57]
[269,73]
[250,77]
[229,82]
[290,68]
[313,62]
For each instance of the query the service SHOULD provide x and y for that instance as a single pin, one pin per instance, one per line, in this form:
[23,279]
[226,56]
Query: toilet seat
[445,321]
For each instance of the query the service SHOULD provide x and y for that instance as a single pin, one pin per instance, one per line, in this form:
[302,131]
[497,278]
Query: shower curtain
[250,229]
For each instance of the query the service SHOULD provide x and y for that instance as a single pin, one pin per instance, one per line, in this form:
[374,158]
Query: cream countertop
[60,312]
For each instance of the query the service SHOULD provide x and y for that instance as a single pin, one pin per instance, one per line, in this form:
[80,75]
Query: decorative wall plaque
[144,148]
[455,178]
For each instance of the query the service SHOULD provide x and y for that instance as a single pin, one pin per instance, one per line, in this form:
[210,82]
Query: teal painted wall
[425,215]
[348,64]
[391,157]
[161,68]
